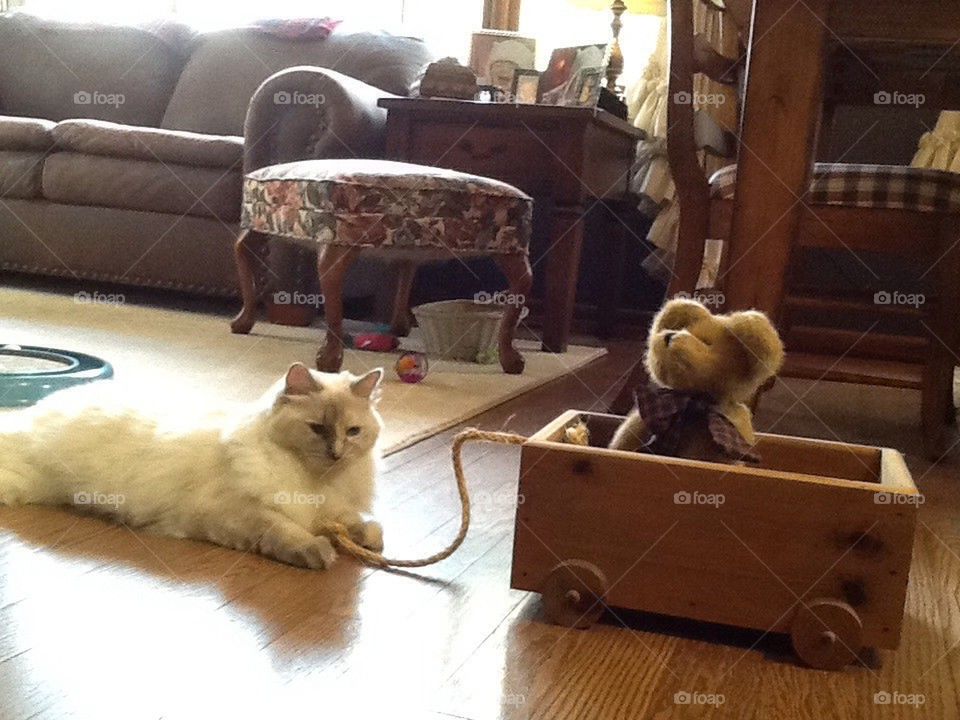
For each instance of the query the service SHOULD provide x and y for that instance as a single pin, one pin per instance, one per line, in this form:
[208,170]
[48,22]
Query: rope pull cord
[339,535]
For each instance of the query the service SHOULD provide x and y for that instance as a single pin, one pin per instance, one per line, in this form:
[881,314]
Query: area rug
[193,357]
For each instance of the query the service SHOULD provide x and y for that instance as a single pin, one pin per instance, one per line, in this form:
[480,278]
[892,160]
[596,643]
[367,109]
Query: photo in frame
[561,82]
[526,86]
[588,86]
[495,55]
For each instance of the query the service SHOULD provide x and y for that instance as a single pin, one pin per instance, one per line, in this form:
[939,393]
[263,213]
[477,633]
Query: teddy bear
[704,370]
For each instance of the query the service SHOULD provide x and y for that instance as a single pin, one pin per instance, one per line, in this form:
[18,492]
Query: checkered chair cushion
[378,203]
[897,187]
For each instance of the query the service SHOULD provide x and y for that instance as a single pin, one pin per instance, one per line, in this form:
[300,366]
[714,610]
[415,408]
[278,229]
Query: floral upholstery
[377,203]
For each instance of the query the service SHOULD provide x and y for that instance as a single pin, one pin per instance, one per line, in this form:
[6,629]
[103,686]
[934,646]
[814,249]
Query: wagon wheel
[826,634]
[573,594]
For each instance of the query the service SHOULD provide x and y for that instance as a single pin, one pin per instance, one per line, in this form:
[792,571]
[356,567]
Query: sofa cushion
[142,185]
[96,137]
[57,69]
[228,66]
[25,133]
[20,173]
[378,203]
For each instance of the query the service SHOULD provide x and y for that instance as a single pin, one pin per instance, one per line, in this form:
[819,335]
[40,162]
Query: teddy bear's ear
[760,338]
[678,314]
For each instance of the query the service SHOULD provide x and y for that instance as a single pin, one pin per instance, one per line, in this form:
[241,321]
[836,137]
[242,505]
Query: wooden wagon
[816,542]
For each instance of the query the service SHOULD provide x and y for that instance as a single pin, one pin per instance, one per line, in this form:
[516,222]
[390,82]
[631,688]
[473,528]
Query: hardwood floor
[99,622]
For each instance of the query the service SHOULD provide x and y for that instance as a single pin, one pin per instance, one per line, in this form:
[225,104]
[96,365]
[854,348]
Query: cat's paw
[318,555]
[369,534]
[315,555]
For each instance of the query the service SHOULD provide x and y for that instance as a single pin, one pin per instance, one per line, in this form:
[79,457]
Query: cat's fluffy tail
[19,483]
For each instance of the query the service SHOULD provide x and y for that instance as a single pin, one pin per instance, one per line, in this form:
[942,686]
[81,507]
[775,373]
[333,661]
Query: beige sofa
[122,148]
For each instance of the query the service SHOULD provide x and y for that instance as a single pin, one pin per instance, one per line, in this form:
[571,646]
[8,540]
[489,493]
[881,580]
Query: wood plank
[860,371]
[777,141]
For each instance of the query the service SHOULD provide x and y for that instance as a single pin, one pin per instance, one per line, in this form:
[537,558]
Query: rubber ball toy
[412,367]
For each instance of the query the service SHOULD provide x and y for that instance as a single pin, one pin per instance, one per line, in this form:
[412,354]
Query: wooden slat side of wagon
[815,542]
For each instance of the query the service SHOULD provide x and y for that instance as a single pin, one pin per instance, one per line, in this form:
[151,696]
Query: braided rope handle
[340,535]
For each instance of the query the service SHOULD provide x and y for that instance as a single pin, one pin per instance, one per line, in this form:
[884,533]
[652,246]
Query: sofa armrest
[311,112]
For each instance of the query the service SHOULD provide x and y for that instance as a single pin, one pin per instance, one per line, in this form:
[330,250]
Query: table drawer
[513,155]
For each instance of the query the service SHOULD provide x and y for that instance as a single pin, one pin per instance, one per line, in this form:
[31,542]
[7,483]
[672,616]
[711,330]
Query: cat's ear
[299,381]
[368,385]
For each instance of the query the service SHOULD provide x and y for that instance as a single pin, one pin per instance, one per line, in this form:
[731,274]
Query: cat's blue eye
[317,428]
[353,431]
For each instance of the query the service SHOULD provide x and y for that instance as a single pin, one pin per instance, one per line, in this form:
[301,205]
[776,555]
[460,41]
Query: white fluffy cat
[303,455]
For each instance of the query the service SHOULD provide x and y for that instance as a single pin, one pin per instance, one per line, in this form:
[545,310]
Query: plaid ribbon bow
[668,413]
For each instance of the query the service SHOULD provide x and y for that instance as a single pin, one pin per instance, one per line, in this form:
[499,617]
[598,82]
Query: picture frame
[589,82]
[496,54]
[561,83]
[526,87]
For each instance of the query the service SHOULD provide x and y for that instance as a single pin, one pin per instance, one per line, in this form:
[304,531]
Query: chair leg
[406,272]
[937,409]
[520,276]
[333,261]
[250,254]
[935,405]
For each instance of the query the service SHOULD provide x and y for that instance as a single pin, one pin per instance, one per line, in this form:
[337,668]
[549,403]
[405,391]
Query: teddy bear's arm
[631,435]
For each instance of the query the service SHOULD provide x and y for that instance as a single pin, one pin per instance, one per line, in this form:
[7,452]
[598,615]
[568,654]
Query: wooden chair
[900,212]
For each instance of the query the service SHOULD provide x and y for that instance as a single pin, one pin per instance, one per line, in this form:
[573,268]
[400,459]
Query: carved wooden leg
[333,261]
[520,276]
[406,271]
[563,268]
[249,252]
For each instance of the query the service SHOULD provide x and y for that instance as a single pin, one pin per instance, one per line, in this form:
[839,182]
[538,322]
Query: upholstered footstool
[399,211]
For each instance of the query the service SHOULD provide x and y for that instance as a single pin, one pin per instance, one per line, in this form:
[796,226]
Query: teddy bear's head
[728,356]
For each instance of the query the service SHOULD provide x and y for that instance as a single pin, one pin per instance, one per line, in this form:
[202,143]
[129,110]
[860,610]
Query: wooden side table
[574,156]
